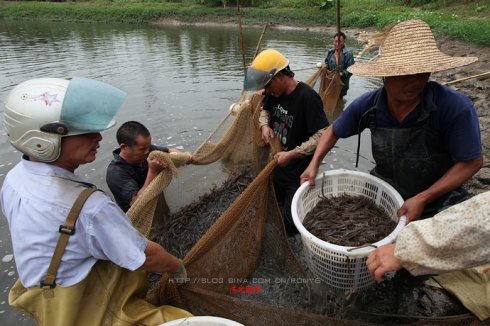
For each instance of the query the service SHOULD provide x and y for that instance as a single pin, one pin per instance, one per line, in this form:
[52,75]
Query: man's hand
[266,134]
[155,166]
[190,157]
[284,158]
[381,261]
[309,175]
[412,208]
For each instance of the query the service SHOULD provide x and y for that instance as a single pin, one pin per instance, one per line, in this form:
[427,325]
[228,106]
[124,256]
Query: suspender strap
[65,230]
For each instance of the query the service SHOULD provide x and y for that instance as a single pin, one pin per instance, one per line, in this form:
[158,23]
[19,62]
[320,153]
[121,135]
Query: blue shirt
[36,198]
[452,114]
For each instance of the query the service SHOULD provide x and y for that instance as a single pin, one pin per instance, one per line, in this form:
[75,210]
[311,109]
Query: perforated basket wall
[343,267]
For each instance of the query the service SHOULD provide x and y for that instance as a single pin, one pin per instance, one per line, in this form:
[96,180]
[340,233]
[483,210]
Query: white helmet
[38,112]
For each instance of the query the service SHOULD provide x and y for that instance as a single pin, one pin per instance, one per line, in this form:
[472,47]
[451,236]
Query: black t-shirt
[294,118]
[125,180]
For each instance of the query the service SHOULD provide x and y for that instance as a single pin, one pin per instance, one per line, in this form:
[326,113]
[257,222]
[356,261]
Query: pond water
[180,82]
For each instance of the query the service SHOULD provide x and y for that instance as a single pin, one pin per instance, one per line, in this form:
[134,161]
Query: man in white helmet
[93,279]
[293,112]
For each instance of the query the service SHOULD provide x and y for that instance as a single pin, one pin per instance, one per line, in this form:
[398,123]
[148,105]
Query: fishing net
[242,266]
[330,88]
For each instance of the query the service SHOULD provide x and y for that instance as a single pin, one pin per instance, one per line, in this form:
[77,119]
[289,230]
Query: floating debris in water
[7,258]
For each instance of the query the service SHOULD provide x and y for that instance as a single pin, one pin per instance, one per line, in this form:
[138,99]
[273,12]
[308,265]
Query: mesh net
[242,266]
[330,88]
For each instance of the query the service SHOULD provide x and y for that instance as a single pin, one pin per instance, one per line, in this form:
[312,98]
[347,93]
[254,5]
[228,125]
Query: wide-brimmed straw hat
[409,48]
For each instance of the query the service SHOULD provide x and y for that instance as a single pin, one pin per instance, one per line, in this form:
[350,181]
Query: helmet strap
[55,128]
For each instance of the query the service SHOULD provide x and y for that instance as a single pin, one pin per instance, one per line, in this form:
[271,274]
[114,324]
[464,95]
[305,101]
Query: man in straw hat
[292,112]
[425,136]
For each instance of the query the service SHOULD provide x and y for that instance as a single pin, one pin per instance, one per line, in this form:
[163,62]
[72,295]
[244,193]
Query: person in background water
[292,112]
[56,124]
[425,137]
[339,58]
[131,171]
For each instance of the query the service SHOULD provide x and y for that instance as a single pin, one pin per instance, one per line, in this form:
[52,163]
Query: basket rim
[200,319]
[346,250]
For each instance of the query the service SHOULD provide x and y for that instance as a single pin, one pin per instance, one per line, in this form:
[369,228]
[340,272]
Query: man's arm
[189,155]
[458,174]
[326,143]
[305,149]
[453,239]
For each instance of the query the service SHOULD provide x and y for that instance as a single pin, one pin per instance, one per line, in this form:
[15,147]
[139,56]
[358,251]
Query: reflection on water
[180,80]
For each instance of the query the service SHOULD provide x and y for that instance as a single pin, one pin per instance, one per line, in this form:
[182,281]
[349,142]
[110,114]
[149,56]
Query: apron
[413,159]
[109,295]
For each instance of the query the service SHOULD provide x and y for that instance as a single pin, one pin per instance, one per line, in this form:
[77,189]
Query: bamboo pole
[338,16]
[260,40]
[337,54]
[242,46]
[466,78]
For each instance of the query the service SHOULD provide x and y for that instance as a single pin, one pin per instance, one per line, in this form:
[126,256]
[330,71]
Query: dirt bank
[478,90]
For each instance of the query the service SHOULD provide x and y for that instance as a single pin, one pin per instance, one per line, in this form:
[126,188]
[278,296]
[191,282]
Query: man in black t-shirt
[130,172]
[293,112]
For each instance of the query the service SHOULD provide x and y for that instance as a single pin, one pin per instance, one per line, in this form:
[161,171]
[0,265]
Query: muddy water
[180,82]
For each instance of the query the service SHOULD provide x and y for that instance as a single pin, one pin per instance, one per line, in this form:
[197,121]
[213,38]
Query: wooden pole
[257,49]
[338,16]
[337,54]
[242,46]
[466,78]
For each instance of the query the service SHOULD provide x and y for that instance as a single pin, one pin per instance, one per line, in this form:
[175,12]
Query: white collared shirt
[36,198]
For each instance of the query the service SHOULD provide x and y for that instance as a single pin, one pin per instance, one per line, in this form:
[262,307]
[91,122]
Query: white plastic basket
[342,267]
[202,321]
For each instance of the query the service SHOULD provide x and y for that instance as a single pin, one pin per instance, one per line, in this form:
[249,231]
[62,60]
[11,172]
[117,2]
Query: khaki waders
[109,295]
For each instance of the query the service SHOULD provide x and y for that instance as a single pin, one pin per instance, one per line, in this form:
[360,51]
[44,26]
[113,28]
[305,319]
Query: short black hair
[129,131]
[340,34]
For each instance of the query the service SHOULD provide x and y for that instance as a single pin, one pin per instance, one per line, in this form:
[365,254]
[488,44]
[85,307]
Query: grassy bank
[467,20]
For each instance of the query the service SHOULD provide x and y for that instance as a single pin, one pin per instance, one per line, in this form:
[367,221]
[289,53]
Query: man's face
[275,86]
[338,42]
[77,150]
[137,153]
[406,88]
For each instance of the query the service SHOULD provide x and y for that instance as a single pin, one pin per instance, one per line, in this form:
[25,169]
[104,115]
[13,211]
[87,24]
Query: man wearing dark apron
[425,136]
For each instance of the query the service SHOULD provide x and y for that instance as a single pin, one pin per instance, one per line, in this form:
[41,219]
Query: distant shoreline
[457,20]
[328,30]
